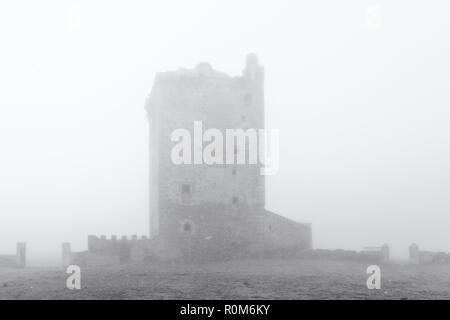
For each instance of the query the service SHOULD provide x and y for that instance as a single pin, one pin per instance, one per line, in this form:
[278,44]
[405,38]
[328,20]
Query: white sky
[363,114]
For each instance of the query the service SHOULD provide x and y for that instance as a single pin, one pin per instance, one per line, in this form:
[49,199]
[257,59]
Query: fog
[362,113]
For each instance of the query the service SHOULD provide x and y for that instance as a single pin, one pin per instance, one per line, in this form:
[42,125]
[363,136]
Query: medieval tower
[212,210]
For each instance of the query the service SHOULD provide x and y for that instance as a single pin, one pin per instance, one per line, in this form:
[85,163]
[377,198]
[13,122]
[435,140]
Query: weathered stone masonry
[212,211]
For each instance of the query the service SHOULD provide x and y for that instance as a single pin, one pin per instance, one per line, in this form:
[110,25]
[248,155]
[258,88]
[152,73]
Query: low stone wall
[418,256]
[105,252]
[275,237]
[8,261]
[284,237]
[18,260]
[90,260]
[372,256]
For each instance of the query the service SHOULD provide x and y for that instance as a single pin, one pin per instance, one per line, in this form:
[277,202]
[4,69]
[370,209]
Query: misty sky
[363,114]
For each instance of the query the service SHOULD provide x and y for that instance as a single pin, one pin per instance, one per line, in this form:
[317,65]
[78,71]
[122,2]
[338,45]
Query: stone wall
[103,251]
[18,260]
[418,256]
[346,255]
[283,236]
[8,261]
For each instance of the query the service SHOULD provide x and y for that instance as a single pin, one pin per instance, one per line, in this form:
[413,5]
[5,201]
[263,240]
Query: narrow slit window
[186,188]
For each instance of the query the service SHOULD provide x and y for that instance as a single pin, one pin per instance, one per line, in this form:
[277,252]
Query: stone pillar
[414,253]
[384,253]
[66,254]
[21,254]
[92,242]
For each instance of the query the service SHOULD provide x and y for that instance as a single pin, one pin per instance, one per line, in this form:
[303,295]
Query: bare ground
[253,279]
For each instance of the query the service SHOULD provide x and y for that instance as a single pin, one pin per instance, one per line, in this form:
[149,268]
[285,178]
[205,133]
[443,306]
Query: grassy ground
[266,279]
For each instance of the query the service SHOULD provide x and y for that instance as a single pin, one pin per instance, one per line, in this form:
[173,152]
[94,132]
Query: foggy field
[266,279]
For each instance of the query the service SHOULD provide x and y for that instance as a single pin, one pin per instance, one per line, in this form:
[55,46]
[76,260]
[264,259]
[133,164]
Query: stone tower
[212,210]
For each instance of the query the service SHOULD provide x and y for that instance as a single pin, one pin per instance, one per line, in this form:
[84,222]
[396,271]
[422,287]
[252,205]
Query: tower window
[187,227]
[235,200]
[186,188]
